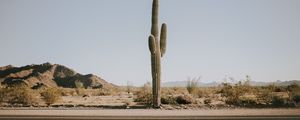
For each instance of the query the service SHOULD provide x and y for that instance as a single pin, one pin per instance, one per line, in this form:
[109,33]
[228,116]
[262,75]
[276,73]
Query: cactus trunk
[157,46]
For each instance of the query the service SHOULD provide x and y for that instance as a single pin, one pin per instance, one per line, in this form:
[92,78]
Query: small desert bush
[168,99]
[3,94]
[233,93]
[144,94]
[294,92]
[68,92]
[265,96]
[192,85]
[278,101]
[184,99]
[296,98]
[173,91]
[80,91]
[206,92]
[51,95]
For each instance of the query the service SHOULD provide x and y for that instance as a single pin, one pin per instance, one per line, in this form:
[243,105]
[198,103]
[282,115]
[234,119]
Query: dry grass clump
[68,92]
[192,85]
[51,95]
[205,92]
[144,95]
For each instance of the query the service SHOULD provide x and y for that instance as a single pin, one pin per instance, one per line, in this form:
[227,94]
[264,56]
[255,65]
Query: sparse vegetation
[144,95]
[51,95]
[240,94]
[18,94]
[192,85]
[294,92]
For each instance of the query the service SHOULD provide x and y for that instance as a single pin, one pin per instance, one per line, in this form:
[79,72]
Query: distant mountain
[214,84]
[51,75]
[184,83]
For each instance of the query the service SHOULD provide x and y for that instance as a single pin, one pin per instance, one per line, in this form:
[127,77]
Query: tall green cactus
[157,46]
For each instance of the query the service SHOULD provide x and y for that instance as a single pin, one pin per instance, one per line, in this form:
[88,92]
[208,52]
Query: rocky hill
[51,75]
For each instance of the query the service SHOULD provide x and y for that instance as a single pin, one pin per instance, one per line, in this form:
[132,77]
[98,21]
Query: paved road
[233,114]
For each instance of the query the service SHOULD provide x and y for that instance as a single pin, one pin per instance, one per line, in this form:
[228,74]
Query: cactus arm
[152,44]
[154,27]
[163,39]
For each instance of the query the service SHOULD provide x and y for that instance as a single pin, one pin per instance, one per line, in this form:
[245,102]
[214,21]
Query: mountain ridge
[215,84]
[50,75]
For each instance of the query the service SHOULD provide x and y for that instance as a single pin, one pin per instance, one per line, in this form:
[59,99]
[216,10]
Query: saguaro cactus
[157,46]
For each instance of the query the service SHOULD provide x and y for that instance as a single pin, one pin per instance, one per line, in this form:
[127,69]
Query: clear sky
[208,38]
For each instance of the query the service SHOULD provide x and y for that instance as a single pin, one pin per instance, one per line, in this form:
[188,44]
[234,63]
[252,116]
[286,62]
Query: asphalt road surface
[224,114]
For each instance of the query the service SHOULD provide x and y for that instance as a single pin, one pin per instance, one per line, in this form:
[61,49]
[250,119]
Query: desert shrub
[3,94]
[68,92]
[233,93]
[51,95]
[248,102]
[265,96]
[278,101]
[19,94]
[80,91]
[294,92]
[184,99]
[205,92]
[144,94]
[192,85]
[207,101]
[200,93]
[296,98]
[279,89]
[168,100]
[173,90]
[103,92]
